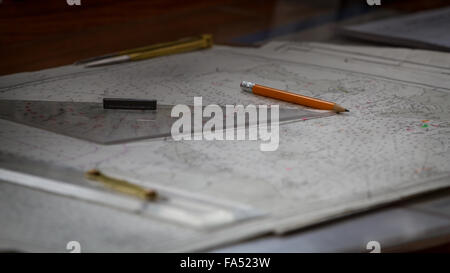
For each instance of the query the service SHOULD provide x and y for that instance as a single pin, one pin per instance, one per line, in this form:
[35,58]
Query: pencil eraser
[130,104]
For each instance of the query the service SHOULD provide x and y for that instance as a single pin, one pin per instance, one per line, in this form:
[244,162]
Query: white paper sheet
[393,143]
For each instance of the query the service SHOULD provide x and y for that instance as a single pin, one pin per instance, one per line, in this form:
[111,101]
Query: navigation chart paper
[393,143]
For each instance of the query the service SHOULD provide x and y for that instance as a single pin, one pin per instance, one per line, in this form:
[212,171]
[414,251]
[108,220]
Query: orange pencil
[291,97]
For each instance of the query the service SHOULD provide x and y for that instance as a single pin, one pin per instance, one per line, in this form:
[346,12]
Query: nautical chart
[393,143]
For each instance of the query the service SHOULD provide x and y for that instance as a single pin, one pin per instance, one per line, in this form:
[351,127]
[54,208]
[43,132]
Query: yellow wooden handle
[156,46]
[122,185]
[204,41]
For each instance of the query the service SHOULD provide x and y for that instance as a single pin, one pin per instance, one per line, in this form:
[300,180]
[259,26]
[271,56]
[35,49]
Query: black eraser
[130,104]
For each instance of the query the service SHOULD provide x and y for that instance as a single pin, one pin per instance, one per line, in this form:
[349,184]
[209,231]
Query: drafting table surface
[424,29]
[423,223]
[393,144]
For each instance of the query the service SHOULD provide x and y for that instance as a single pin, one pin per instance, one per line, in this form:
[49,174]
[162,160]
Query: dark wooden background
[37,34]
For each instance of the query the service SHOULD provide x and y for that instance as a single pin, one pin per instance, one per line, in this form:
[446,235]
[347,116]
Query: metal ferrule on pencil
[247,86]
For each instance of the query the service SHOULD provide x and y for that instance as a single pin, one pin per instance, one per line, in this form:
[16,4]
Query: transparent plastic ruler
[89,121]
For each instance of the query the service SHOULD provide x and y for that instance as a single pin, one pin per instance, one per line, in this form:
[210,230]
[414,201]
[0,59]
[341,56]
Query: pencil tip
[346,110]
